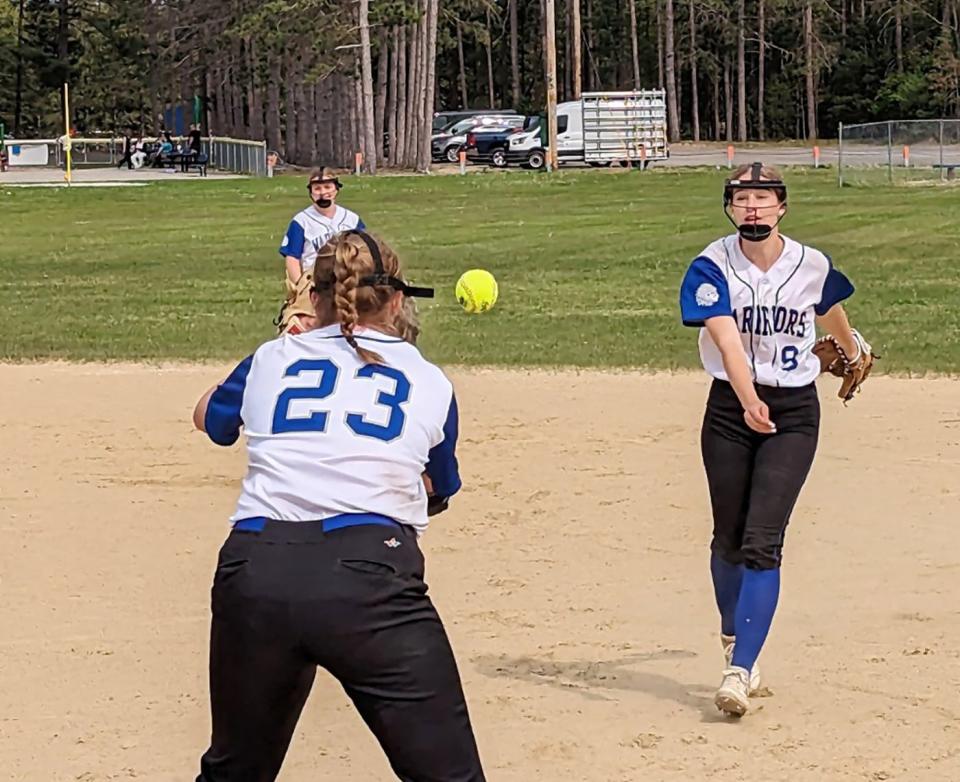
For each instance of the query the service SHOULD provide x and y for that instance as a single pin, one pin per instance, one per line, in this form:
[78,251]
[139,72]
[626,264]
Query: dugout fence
[239,156]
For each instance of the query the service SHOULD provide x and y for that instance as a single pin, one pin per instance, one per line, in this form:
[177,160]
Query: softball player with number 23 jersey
[351,437]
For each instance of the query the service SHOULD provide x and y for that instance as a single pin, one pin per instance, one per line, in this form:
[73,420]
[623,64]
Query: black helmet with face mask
[322,176]
[754,232]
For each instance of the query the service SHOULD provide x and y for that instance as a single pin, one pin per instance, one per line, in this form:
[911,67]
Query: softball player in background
[346,427]
[311,228]
[754,295]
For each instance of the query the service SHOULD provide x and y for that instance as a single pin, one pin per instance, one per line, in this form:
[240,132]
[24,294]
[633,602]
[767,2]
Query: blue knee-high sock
[755,608]
[726,588]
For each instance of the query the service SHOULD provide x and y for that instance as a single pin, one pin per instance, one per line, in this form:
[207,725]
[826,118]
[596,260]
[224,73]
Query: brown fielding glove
[833,359]
[297,313]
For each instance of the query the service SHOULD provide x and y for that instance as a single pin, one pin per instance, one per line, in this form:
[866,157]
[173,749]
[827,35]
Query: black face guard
[379,276]
[754,232]
[323,203]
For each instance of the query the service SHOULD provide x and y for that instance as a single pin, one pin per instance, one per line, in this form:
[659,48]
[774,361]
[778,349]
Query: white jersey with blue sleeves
[309,231]
[327,434]
[774,310]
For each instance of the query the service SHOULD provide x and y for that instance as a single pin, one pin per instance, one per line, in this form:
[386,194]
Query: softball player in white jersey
[311,228]
[322,566]
[755,296]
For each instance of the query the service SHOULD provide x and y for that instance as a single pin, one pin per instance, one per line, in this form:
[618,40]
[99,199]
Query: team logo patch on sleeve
[707,295]
[286,241]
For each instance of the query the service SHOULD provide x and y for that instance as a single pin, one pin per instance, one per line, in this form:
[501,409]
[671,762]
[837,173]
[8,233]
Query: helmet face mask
[755,231]
[323,177]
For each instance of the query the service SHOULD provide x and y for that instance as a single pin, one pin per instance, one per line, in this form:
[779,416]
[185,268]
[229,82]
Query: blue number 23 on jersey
[326,385]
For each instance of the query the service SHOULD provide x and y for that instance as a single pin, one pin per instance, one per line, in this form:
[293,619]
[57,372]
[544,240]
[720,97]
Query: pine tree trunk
[18,90]
[397,147]
[357,125]
[716,106]
[396,53]
[154,81]
[514,56]
[338,131]
[237,92]
[741,71]
[567,84]
[306,117]
[898,32]
[290,111]
[273,103]
[810,70]
[491,98]
[414,64]
[660,58]
[634,45]
[366,88]
[321,124]
[227,93]
[63,46]
[670,74]
[462,76]
[433,13]
[254,100]
[761,68]
[728,97]
[380,108]
[422,127]
[694,87]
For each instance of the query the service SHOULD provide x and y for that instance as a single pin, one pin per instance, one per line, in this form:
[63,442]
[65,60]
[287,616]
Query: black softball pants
[755,478]
[353,601]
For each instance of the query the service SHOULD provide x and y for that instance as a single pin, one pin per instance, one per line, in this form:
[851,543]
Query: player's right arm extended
[726,336]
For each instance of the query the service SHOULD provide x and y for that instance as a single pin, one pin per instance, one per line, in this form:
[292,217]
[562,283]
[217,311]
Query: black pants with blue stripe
[755,479]
[352,601]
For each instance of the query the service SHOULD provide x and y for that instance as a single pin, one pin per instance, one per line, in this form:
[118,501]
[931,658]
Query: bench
[950,168]
[198,162]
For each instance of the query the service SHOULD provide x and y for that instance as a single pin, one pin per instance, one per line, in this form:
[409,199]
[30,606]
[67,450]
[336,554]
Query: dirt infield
[571,573]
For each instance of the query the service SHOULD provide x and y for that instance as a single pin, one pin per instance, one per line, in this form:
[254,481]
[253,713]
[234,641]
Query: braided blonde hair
[344,261]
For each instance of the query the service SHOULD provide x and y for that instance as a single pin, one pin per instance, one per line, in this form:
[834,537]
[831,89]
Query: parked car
[444,119]
[447,144]
[492,148]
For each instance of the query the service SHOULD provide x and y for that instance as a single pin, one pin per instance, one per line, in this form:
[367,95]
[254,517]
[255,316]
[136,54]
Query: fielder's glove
[297,313]
[853,371]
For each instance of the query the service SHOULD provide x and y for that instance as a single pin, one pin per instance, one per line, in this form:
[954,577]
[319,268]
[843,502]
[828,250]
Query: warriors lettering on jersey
[765,321]
[774,309]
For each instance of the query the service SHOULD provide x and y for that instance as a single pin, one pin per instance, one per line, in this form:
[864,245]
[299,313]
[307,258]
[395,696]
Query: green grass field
[588,264]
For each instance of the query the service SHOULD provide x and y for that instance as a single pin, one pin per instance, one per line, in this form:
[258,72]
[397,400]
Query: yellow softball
[477,291]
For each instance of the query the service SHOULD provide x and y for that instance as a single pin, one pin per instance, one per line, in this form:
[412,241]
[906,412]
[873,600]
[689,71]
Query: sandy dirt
[571,573]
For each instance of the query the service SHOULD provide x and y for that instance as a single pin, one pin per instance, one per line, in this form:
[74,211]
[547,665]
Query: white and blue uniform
[329,435]
[774,309]
[755,478]
[309,231]
[322,566]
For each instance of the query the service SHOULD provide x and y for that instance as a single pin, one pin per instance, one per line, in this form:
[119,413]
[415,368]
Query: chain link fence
[899,152]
